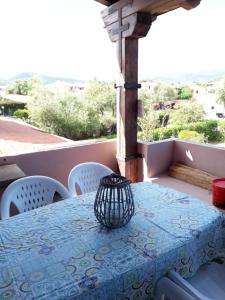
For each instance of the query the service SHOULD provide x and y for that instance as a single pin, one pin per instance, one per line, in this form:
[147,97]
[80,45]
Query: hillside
[3,82]
[190,77]
[46,79]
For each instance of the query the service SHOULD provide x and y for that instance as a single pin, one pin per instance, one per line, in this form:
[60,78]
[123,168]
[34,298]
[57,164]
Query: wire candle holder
[114,203]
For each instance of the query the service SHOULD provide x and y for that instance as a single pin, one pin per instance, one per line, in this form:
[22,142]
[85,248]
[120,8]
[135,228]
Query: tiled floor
[204,195]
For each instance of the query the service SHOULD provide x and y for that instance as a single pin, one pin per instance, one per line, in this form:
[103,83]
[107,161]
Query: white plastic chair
[87,177]
[31,192]
[166,289]
[206,284]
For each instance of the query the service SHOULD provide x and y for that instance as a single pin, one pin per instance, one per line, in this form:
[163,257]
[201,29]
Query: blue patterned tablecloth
[61,252]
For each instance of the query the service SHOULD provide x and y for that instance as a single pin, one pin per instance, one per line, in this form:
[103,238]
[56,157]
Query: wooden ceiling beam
[107,2]
[135,26]
[189,4]
[153,7]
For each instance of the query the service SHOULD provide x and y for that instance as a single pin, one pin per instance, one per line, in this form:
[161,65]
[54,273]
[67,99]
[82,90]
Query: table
[61,252]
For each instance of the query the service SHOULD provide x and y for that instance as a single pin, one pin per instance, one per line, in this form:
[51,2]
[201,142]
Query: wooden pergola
[126,21]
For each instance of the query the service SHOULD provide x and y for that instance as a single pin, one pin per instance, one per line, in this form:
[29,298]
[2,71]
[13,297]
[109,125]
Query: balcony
[153,167]
[158,156]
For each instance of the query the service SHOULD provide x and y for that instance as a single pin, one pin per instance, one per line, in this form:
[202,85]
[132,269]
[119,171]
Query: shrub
[164,133]
[108,124]
[21,113]
[221,125]
[8,107]
[190,135]
[209,129]
[147,125]
[185,93]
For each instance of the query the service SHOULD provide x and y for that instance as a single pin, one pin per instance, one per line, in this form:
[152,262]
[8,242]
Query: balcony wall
[158,156]
[205,157]
[57,163]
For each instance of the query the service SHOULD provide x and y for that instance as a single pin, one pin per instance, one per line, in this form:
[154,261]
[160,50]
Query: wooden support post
[126,21]
[127,109]
[126,32]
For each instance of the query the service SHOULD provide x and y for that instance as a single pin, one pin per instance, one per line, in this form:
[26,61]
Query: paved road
[18,132]
[17,137]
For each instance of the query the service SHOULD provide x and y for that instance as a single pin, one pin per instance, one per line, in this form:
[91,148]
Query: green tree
[160,92]
[65,115]
[163,92]
[100,97]
[19,87]
[23,87]
[220,92]
[184,114]
[184,93]
[147,124]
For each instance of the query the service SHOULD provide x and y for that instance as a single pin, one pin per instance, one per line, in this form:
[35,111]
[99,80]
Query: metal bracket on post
[128,86]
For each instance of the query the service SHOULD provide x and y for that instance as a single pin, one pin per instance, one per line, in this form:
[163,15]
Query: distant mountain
[191,77]
[3,81]
[178,77]
[46,79]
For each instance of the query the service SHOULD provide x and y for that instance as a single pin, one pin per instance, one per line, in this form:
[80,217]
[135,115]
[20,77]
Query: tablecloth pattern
[61,252]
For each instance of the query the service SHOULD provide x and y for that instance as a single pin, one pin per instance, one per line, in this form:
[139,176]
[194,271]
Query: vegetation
[23,87]
[101,98]
[168,118]
[163,92]
[209,129]
[21,114]
[89,115]
[184,93]
[192,136]
[147,125]
[93,114]
[220,93]
[19,87]
[184,114]
[158,93]
[8,107]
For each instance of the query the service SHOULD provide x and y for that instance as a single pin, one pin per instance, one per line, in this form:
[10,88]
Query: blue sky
[67,38]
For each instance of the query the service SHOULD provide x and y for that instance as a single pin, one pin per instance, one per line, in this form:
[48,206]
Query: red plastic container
[218,192]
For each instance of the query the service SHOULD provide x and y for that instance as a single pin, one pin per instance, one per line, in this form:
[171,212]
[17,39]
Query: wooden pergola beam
[107,2]
[154,7]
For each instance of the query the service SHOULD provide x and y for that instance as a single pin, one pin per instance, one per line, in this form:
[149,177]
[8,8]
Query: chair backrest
[167,289]
[186,286]
[31,192]
[87,176]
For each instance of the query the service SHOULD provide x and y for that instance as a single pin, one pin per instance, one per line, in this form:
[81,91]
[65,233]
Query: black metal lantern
[114,203]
